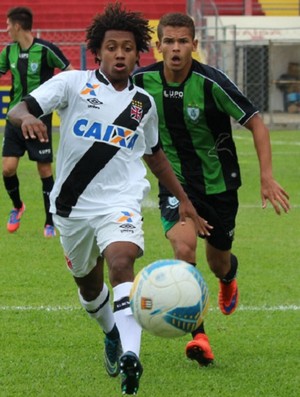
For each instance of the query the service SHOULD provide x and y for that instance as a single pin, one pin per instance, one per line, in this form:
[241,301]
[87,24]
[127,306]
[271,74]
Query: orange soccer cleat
[199,349]
[15,215]
[228,297]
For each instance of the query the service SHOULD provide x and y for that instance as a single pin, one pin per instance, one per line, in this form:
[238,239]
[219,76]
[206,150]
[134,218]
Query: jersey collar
[101,77]
[163,79]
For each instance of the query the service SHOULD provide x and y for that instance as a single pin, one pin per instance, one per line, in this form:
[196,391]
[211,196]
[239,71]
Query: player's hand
[33,128]
[278,197]
[187,210]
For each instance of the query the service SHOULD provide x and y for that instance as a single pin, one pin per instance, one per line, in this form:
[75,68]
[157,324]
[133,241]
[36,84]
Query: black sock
[233,270]
[199,330]
[47,187]
[113,334]
[11,184]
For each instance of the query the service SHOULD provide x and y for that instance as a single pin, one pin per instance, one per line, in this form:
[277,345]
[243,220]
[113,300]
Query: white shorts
[84,240]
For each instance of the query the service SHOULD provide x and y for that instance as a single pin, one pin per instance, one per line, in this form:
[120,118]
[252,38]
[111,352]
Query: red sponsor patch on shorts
[69,263]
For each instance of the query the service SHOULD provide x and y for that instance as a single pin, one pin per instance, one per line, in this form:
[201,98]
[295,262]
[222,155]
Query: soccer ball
[169,298]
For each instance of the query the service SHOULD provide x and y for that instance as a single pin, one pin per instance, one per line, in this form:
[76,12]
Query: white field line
[280,308]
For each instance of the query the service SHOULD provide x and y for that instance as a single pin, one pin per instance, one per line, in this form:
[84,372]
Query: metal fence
[268,73]
[263,65]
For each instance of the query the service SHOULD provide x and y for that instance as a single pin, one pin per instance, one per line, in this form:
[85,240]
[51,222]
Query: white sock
[100,309]
[129,329]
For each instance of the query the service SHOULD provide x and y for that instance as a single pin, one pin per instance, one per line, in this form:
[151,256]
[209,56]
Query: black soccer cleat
[131,371]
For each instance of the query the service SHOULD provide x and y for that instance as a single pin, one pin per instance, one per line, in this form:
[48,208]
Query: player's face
[11,29]
[118,56]
[176,47]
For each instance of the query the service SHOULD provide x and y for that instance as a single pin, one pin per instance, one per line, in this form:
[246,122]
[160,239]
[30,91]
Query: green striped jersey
[30,68]
[195,124]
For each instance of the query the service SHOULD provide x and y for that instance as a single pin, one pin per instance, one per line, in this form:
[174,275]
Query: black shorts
[220,210]
[15,145]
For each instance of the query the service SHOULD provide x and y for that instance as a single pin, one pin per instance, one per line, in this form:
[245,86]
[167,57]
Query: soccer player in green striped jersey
[31,62]
[195,103]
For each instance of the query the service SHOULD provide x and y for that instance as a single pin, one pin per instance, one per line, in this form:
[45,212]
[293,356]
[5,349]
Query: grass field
[49,347]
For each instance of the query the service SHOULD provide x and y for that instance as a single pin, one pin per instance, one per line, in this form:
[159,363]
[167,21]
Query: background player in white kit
[107,126]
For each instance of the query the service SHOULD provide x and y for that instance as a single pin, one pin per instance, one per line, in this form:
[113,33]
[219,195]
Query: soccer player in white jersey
[107,126]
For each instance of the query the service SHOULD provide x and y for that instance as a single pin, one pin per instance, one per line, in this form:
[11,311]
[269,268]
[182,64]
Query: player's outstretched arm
[31,126]
[161,168]
[270,189]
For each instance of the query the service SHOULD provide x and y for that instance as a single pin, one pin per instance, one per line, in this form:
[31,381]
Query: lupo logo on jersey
[173,94]
[112,134]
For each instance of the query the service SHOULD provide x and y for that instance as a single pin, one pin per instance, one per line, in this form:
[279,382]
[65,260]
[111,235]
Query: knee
[91,290]
[8,170]
[121,270]
[185,252]
[44,169]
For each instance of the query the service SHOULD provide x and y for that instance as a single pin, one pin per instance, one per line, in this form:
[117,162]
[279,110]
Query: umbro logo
[94,103]
[127,228]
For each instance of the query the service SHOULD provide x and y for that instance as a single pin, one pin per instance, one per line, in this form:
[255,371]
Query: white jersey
[103,135]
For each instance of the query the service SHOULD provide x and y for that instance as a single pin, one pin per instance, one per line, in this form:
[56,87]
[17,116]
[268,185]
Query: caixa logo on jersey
[112,134]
